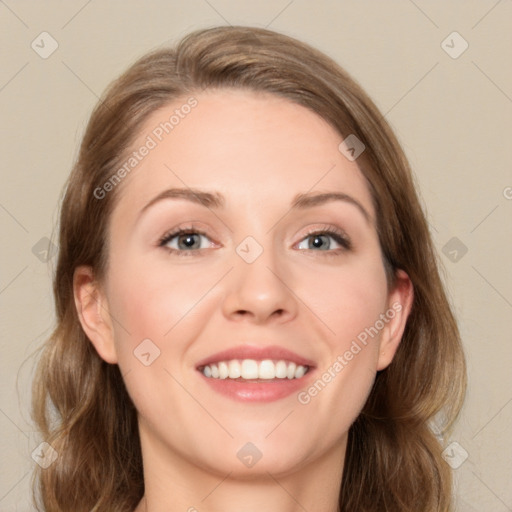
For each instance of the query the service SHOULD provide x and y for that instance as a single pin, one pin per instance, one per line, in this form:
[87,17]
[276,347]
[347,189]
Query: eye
[188,240]
[184,240]
[322,240]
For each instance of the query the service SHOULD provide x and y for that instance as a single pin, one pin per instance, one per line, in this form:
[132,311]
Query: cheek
[157,315]
[346,300]
[157,302]
[349,303]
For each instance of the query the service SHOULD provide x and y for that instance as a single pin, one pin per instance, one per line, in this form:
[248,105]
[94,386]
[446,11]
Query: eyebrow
[302,201]
[208,199]
[215,200]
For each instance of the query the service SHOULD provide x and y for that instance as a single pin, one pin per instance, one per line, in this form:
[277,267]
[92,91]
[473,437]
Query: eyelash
[339,236]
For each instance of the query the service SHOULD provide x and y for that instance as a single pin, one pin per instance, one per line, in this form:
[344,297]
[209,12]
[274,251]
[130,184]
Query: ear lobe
[400,301]
[93,313]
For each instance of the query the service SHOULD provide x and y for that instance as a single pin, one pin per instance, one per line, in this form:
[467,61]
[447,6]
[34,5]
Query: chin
[257,457]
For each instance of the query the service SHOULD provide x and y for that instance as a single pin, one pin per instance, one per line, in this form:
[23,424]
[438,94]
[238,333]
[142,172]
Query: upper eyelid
[187,227]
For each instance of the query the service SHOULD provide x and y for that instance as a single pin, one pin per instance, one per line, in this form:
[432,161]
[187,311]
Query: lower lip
[260,391]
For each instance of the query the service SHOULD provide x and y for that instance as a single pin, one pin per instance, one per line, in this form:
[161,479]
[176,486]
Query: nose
[260,292]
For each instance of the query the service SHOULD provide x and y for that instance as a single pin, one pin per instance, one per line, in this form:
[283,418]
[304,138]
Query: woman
[249,310]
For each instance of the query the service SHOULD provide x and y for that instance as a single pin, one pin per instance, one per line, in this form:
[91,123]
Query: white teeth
[234,370]
[281,370]
[299,372]
[223,370]
[290,372]
[251,369]
[267,370]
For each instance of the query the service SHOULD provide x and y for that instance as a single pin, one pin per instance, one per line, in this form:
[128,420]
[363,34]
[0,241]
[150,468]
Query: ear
[93,313]
[400,301]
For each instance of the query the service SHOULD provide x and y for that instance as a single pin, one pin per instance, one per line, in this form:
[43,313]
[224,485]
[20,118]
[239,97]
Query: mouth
[255,374]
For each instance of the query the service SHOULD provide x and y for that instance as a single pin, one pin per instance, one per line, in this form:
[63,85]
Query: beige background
[452,115]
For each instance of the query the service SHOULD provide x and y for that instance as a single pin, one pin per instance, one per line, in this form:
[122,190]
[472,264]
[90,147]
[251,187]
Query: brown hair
[80,404]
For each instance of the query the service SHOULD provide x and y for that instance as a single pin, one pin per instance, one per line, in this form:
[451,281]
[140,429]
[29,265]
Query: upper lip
[257,353]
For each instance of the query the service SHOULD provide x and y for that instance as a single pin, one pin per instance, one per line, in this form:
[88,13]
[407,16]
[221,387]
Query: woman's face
[279,261]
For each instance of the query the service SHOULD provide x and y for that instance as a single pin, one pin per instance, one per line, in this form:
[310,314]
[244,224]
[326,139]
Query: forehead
[251,147]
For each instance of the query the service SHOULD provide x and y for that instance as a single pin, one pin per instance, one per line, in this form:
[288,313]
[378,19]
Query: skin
[259,151]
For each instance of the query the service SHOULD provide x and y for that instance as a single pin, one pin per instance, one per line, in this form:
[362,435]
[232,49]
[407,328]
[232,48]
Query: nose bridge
[257,283]
[257,259]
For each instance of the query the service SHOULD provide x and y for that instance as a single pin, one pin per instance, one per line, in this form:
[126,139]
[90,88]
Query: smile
[251,369]
[251,373]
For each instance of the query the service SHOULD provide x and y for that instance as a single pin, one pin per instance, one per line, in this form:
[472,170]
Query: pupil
[188,240]
[317,241]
